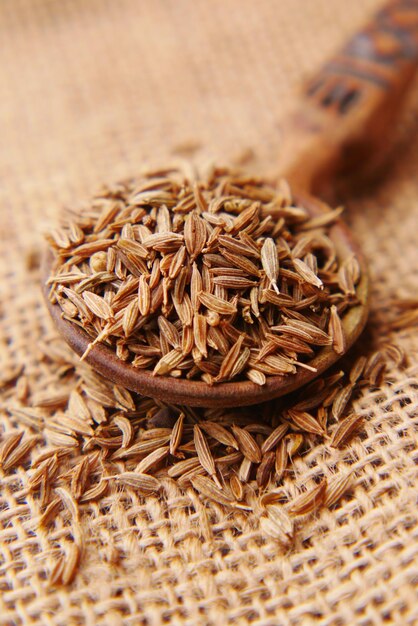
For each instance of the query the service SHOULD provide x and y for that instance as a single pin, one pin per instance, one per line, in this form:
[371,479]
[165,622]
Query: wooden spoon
[341,121]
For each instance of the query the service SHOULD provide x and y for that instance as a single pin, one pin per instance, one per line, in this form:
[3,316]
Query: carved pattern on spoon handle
[346,109]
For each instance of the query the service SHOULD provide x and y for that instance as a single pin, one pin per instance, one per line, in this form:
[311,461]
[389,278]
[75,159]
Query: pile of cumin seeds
[211,277]
[83,440]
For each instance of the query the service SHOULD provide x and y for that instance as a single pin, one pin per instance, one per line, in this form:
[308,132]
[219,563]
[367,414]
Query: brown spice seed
[271,529]
[126,427]
[240,362]
[408,319]
[245,470]
[200,333]
[346,428]
[274,438]
[309,501]
[68,501]
[229,361]
[194,234]
[207,488]
[336,488]
[395,353]
[143,482]
[18,454]
[322,417]
[79,477]
[265,468]
[204,454]
[177,262]
[55,577]
[71,562]
[168,362]
[144,296]
[241,262]
[237,247]
[233,282]
[336,331]
[305,421]
[256,377]
[341,400]
[281,459]
[169,331]
[319,221]
[247,444]
[182,467]
[152,459]
[50,512]
[236,487]
[98,305]
[357,369]
[9,443]
[221,434]
[177,434]
[95,493]
[223,307]
[294,442]
[130,317]
[307,274]
[278,515]
[375,368]
[270,261]
[141,448]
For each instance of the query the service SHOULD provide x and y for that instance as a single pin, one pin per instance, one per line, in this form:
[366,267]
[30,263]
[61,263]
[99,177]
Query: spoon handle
[345,111]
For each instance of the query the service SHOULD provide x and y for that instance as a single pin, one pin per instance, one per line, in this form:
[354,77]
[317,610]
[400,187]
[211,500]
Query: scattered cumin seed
[95,493]
[18,454]
[294,443]
[277,524]
[204,454]
[176,434]
[336,488]
[341,400]
[55,576]
[207,488]
[220,433]
[79,478]
[309,501]
[264,469]
[281,459]
[274,438]
[236,487]
[9,443]
[152,459]
[68,501]
[345,429]
[305,422]
[247,444]
[71,562]
[245,470]
[182,467]
[357,369]
[247,451]
[128,432]
[143,482]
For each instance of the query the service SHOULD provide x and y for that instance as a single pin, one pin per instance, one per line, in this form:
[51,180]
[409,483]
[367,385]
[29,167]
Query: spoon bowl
[103,359]
[340,122]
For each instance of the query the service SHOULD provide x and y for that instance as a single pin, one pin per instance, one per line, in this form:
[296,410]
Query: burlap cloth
[88,90]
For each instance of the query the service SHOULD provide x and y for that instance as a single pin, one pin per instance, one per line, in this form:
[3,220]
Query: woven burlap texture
[89,90]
